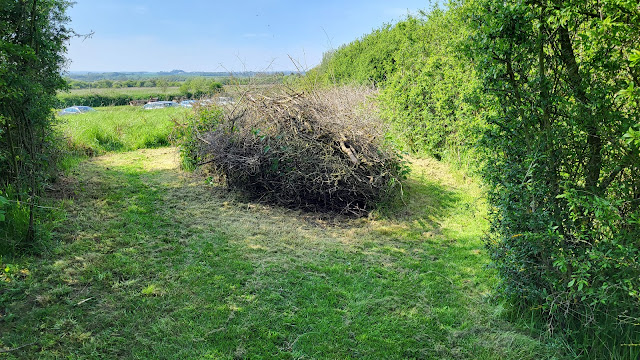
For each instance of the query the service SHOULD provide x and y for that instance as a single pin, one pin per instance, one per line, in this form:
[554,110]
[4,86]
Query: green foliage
[115,97]
[200,87]
[188,132]
[428,92]
[122,93]
[369,60]
[3,203]
[562,164]
[32,41]
[430,98]
[14,223]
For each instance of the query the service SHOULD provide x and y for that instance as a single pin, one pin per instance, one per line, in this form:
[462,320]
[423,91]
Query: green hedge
[98,100]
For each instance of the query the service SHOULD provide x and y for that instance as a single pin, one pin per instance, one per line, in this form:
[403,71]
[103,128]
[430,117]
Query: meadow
[149,261]
[152,263]
[117,128]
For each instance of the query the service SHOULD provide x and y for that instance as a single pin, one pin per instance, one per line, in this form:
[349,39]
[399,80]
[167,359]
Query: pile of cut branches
[317,151]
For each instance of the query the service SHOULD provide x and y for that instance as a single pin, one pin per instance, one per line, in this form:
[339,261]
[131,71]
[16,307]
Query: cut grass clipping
[117,128]
[153,265]
[322,150]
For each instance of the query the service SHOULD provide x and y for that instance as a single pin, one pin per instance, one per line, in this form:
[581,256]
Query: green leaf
[570,284]
[634,58]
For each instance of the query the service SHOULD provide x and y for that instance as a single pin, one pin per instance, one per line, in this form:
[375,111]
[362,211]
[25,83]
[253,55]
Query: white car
[160,105]
[76,110]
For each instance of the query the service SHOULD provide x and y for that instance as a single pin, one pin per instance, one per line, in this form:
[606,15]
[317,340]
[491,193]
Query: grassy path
[155,265]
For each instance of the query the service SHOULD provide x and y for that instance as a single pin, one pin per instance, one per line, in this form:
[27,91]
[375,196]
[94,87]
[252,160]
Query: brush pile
[316,151]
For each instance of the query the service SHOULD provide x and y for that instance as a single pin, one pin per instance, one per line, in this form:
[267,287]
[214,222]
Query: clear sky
[231,35]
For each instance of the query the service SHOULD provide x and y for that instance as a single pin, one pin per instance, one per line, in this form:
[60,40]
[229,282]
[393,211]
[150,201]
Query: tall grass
[117,128]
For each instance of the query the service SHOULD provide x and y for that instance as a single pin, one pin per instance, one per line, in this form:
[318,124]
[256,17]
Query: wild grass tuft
[117,128]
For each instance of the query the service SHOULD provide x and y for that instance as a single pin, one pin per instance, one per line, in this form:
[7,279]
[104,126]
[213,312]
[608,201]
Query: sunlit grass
[117,128]
[153,264]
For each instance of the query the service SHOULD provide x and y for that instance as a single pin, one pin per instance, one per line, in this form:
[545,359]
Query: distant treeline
[191,88]
[119,81]
[108,84]
[112,99]
[172,76]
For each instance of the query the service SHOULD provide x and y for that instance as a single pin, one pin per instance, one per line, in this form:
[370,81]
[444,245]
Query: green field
[143,91]
[154,264]
[117,128]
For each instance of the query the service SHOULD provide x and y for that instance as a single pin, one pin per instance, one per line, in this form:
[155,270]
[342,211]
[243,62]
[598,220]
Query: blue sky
[230,35]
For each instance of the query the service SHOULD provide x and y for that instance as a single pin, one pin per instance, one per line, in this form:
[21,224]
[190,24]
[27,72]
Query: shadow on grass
[154,265]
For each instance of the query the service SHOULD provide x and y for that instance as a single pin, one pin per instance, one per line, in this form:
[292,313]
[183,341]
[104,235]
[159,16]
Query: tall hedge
[430,98]
[428,87]
[563,164]
[33,35]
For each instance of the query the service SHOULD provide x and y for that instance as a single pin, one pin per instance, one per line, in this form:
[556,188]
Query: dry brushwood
[318,151]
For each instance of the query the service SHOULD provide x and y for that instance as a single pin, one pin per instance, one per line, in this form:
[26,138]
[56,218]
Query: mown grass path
[153,264]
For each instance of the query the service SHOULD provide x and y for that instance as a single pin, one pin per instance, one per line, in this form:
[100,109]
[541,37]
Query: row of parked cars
[152,105]
[187,103]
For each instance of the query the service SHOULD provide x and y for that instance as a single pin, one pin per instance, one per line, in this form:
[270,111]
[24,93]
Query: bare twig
[2,351]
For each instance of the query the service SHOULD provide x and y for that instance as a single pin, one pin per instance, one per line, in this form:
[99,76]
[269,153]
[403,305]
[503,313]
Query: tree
[33,35]
[163,84]
[563,161]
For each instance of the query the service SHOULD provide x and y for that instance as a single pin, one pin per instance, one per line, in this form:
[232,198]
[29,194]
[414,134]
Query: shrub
[429,99]
[187,134]
[33,38]
[563,165]
[318,151]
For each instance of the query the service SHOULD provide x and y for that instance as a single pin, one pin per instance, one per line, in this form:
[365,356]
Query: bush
[187,134]
[563,165]
[33,39]
[429,100]
[316,151]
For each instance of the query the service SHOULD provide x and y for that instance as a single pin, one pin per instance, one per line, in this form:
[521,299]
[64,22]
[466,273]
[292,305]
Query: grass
[153,264]
[117,128]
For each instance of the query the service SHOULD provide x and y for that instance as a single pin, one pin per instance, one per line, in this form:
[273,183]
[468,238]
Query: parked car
[187,103]
[160,104]
[76,110]
[224,100]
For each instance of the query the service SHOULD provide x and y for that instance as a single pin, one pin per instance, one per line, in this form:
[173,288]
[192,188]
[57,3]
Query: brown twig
[2,351]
